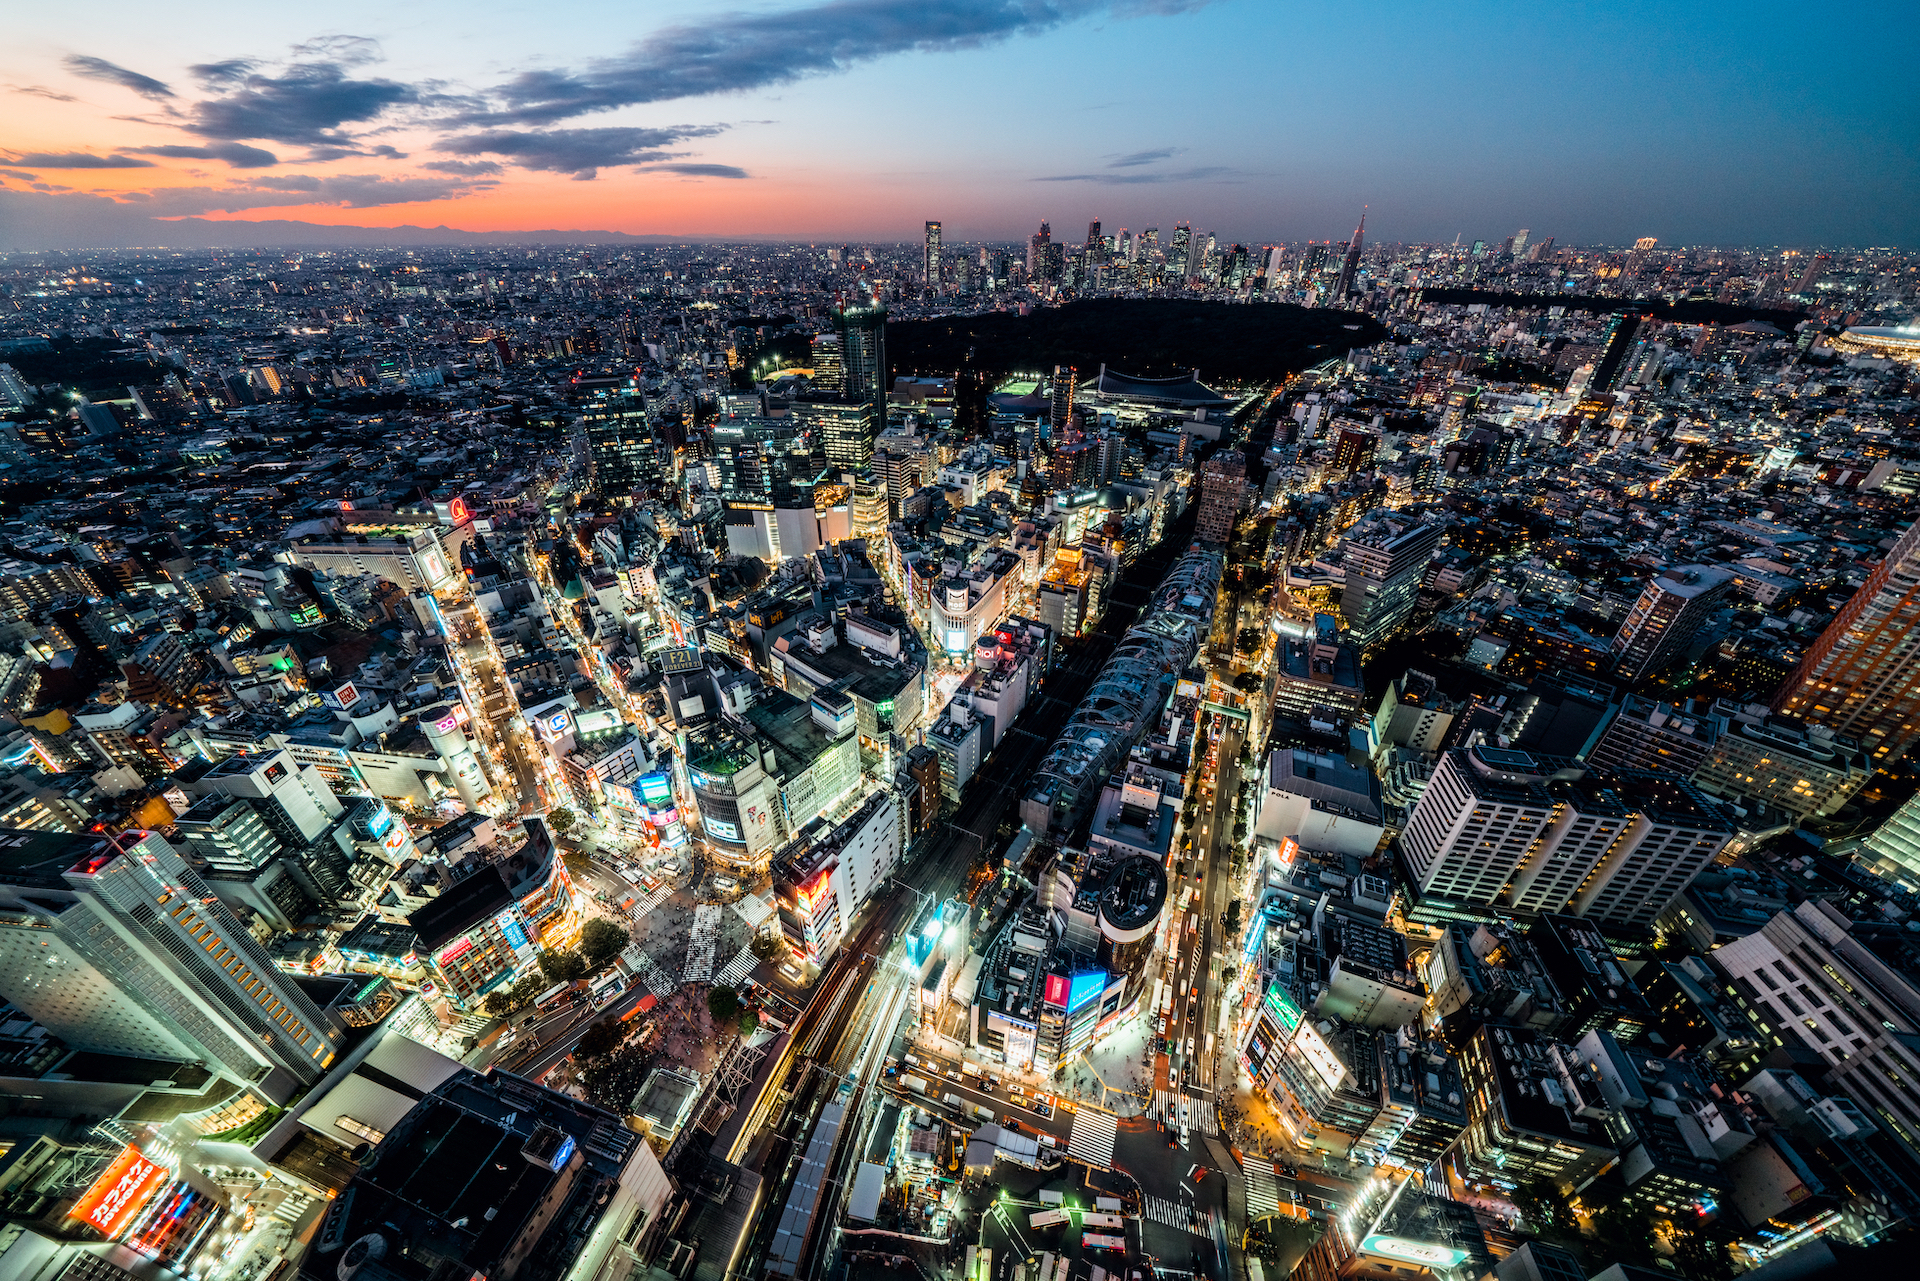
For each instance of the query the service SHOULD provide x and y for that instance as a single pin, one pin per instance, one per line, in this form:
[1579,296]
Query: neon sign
[1085,987]
[117,1195]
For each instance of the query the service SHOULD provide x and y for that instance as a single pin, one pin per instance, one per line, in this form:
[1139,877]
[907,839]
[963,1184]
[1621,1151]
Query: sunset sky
[858,119]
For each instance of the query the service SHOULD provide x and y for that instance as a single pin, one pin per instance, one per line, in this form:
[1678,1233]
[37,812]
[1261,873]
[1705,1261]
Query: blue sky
[857,119]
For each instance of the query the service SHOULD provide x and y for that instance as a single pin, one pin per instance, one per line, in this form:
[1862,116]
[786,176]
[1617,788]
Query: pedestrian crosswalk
[1176,1108]
[738,968]
[1092,1136]
[1263,1190]
[658,981]
[1175,1214]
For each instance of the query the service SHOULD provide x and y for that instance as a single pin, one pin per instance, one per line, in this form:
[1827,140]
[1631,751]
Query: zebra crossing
[1176,1108]
[1172,1214]
[1092,1136]
[1263,1190]
[658,981]
[738,968]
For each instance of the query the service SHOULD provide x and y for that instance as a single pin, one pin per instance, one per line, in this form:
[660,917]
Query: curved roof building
[1901,344]
[1126,696]
[1185,392]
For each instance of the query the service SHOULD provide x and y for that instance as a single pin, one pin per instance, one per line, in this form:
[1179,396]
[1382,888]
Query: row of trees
[600,941]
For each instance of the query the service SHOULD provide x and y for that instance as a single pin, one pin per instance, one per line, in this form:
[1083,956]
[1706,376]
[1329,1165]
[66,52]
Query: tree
[1623,1233]
[560,820]
[600,1039]
[1545,1209]
[562,966]
[724,1004]
[769,947]
[1246,682]
[499,1003]
[749,1022]
[1701,1256]
[600,941]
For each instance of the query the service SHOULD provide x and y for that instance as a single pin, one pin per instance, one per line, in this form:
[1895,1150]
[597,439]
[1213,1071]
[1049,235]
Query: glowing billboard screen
[117,1195]
[1424,1253]
[1282,1007]
[1085,987]
[655,789]
[1056,989]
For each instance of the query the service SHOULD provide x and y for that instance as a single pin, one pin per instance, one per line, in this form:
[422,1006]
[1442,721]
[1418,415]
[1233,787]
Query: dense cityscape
[1125,755]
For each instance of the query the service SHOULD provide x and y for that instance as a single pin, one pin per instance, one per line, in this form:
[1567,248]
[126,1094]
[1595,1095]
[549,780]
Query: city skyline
[838,121]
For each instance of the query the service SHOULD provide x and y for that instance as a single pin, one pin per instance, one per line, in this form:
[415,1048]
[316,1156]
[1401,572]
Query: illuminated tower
[863,351]
[933,255]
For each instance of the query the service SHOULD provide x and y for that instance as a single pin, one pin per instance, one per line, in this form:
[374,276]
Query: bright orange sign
[117,1195]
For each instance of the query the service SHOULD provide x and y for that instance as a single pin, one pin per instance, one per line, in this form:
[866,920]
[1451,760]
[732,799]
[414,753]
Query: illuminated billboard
[1426,1254]
[1085,987]
[1282,1007]
[1056,989]
[655,789]
[956,640]
[117,1195]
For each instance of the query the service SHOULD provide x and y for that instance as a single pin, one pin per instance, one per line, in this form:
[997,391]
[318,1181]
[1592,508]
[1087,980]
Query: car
[1197,1173]
[1010,1122]
[1047,1139]
[1163,1025]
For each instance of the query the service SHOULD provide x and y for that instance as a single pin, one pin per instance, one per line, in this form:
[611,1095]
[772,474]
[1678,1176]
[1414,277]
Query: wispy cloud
[1136,158]
[1203,173]
[580,152]
[41,91]
[236,154]
[345,191]
[735,51]
[92,68]
[699,171]
[76,160]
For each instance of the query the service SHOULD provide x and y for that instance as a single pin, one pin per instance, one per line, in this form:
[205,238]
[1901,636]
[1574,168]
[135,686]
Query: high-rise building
[1520,243]
[1061,417]
[1861,678]
[829,365]
[1036,251]
[1539,834]
[1384,560]
[621,454]
[1351,266]
[1093,237]
[1644,734]
[1816,986]
[847,428]
[115,943]
[1223,487]
[863,343]
[932,266]
[1671,609]
[1179,252]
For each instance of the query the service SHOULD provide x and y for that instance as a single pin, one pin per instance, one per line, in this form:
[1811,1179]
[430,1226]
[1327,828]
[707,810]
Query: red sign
[117,1195]
[1057,989]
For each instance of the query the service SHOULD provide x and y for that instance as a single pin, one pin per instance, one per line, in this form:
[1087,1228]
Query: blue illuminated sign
[657,789]
[516,937]
[1084,988]
[381,821]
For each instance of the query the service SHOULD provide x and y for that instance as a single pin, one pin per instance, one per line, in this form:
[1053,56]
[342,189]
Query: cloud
[216,74]
[580,152]
[76,160]
[100,69]
[464,166]
[345,191]
[1205,173]
[322,155]
[308,104]
[238,155]
[23,177]
[699,171]
[41,91]
[1141,158]
[735,51]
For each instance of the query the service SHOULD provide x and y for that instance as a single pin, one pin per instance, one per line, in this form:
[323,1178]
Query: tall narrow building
[1861,678]
[932,267]
[1671,609]
[1061,416]
[862,327]
[1223,487]
[1350,267]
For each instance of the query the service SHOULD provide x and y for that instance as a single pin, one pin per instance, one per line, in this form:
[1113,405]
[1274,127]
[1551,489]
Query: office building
[1670,611]
[115,943]
[847,429]
[1350,266]
[1895,844]
[822,881]
[1383,560]
[1223,488]
[1815,985]
[1534,1110]
[1647,735]
[1396,1232]
[1595,989]
[622,456]
[1803,768]
[862,327]
[1861,678]
[930,270]
[1060,412]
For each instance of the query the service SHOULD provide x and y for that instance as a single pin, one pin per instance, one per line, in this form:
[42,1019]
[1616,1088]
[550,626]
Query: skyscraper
[1093,237]
[117,944]
[1036,250]
[933,255]
[1520,243]
[1669,613]
[829,365]
[1223,486]
[1179,251]
[1061,418]
[1861,678]
[1384,560]
[863,345]
[621,454]
[1352,263]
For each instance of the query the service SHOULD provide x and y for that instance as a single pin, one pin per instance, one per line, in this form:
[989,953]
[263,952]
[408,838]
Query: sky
[856,120]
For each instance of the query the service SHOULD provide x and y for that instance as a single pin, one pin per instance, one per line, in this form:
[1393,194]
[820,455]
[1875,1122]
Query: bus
[606,987]
[550,999]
